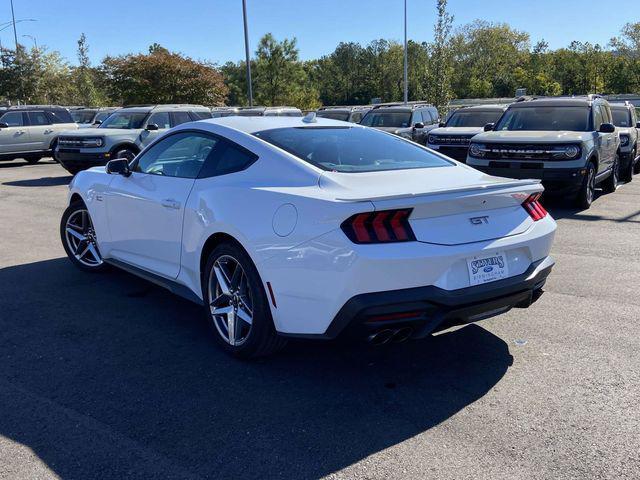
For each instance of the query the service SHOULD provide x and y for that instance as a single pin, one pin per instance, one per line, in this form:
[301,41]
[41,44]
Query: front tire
[588,188]
[610,185]
[236,304]
[79,238]
[127,153]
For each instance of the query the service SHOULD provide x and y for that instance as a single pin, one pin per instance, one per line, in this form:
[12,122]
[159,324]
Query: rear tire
[584,199]
[627,175]
[610,185]
[241,295]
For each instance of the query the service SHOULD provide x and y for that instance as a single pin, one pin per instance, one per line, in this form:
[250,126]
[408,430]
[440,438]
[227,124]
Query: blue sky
[212,29]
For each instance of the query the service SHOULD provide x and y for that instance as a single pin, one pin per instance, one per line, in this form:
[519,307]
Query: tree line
[481,59]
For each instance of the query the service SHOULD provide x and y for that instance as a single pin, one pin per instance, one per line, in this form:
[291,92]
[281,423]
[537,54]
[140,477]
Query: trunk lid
[451,205]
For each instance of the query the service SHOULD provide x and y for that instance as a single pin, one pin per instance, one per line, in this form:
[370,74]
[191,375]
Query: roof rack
[402,104]
[352,107]
[19,107]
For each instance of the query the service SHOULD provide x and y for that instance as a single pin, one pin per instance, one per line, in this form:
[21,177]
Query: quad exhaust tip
[385,336]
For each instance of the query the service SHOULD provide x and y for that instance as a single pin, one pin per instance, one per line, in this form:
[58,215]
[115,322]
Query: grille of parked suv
[70,142]
[507,151]
[451,139]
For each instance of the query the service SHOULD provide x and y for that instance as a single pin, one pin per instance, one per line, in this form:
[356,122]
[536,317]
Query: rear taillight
[533,207]
[379,227]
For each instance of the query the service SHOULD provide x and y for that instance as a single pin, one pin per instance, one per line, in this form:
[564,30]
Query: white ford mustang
[312,228]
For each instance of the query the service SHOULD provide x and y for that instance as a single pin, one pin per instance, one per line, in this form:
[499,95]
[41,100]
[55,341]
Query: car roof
[162,108]
[252,125]
[481,108]
[621,106]
[555,102]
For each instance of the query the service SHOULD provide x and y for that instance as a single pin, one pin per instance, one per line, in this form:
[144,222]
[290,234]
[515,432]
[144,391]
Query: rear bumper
[554,180]
[429,309]
[81,160]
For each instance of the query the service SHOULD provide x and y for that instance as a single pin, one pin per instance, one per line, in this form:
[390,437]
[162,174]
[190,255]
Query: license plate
[487,268]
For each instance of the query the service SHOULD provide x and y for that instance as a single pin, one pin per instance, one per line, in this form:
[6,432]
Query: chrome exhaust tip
[402,335]
[381,337]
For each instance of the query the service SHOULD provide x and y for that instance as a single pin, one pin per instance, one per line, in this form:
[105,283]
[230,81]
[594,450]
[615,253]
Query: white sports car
[312,228]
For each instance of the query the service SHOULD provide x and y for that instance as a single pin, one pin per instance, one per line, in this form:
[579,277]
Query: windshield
[125,120]
[82,116]
[473,118]
[376,118]
[573,119]
[351,149]
[344,116]
[621,117]
[102,116]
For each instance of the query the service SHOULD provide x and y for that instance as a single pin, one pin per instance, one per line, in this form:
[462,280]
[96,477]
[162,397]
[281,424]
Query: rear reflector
[533,207]
[379,227]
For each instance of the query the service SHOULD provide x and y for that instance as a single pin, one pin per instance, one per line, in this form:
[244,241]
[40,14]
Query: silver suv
[91,117]
[351,114]
[122,135]
[412,120]
[31,132]
[452,138]
[570,143]
[626,121]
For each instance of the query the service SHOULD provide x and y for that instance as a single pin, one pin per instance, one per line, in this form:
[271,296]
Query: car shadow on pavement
[41,182]
[107,375]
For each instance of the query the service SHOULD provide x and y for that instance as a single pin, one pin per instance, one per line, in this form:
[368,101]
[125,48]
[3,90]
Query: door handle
[171,203]
[20,132]
[48,131]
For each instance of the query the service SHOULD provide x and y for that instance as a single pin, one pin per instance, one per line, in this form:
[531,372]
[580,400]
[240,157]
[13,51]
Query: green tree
[162,77]
[440,65]
[84,76]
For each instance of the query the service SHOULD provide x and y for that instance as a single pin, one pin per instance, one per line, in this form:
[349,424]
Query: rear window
[376,118]
[351,149]
[83,116]
[477,118]
[344,116]
[573,119]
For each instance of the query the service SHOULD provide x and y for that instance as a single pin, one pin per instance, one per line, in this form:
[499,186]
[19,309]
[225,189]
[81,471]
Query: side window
[356,117]
[416,117]
[598,119]
[426,117]
[435,115]
[59,116]
[38,118]
[179,117]
[227,158]
[13,119]
[201,115]
[181,155]
[161,119]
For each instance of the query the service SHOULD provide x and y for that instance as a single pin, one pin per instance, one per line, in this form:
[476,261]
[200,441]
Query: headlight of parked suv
[92,142]
[572,151]
[624,140]
[433,139]
[477,150]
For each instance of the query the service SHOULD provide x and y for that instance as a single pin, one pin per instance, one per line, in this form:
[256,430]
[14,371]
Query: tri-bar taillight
[385,226]
[533,207]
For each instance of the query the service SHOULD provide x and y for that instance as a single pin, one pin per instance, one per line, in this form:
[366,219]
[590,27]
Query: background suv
[570,143]
[452,138]
[353,114]
[411,120]
[122,135]
[31,132]
[626,120]
[91,117]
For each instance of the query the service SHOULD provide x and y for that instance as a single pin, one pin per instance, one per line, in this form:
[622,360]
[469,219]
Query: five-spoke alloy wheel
[79,238]
[236,303]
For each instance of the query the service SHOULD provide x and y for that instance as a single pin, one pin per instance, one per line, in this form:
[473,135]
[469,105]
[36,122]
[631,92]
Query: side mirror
[637,124]
[489,127]
[98,122]
[152,126]
[607,128]
[119,166]
[442,124]
[418,125]
[4,125]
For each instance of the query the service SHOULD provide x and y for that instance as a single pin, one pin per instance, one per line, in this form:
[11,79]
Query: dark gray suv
[412,120]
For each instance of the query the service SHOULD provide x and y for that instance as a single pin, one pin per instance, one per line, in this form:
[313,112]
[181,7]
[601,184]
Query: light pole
[15,32]
[35,42]
[406,66]
[246,51]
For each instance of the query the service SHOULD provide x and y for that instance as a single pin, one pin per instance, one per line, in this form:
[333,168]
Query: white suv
[31,132]
[122,135]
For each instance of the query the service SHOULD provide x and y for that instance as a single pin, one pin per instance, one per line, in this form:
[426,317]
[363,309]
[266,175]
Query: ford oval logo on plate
[487,269]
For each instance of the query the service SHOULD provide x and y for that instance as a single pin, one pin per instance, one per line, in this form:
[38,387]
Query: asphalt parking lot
[108,376]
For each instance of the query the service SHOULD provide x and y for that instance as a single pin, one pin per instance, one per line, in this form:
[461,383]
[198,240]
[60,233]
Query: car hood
[457,130]
[410,183]
[93,132]
[532,136]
